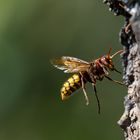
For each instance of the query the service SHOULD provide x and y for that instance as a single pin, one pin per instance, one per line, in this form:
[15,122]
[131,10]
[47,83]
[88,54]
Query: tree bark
[130,39]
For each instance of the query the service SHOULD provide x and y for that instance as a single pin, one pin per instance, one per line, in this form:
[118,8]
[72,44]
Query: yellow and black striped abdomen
[71,85]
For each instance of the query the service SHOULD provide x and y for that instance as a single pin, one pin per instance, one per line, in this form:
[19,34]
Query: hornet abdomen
[71,85]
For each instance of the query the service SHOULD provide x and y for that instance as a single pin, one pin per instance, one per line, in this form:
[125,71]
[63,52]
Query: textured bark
[130,39]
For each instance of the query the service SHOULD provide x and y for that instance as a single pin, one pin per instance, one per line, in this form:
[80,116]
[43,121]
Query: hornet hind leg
[96,95]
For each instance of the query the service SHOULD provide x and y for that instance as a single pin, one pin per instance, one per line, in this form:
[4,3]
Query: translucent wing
[70,64]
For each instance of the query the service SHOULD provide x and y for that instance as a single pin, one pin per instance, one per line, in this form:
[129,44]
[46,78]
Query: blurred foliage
[31,33]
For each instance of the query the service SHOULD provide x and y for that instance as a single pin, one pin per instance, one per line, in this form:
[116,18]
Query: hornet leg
[117,70]
[114,80]
[96,95]
[84,90]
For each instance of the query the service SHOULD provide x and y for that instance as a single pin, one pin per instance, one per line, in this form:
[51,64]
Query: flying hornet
[85,72]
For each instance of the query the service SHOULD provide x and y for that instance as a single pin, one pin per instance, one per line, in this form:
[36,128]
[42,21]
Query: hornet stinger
[85,72]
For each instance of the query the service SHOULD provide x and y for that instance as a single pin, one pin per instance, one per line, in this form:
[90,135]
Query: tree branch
[130,39]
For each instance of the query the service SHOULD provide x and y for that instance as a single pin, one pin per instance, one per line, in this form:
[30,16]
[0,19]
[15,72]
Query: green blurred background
[31,33]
